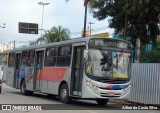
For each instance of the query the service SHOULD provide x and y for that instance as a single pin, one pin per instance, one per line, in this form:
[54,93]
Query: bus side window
[30,61]
[64,56]
[50,57]
[11,60]
[24,58]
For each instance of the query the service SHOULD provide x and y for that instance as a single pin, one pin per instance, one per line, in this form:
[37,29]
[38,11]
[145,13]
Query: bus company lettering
[27,107]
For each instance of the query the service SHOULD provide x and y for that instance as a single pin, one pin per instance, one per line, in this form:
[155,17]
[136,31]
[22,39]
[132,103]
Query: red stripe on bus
[51,74]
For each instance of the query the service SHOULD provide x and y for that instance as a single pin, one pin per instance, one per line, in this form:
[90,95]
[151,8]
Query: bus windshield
[108,64]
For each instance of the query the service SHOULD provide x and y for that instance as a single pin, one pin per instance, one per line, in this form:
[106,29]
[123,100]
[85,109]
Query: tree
[56,34]
[140,17]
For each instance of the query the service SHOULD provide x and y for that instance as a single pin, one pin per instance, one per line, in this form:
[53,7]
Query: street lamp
[90,28]
[43,4]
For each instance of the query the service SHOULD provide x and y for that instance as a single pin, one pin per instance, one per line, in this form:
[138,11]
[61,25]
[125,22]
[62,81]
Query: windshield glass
[109,64]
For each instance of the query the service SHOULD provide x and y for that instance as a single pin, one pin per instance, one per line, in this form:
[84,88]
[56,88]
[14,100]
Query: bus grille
[105,95]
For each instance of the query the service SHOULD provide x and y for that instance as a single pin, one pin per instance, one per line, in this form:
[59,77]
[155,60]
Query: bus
[82,68]
[0,85]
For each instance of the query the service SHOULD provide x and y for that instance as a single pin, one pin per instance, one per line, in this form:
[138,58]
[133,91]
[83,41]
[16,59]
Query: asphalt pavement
[11,96]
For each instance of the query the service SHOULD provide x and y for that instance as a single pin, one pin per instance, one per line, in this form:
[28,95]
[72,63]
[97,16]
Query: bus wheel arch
[63,82]
[64,92]
[21,81]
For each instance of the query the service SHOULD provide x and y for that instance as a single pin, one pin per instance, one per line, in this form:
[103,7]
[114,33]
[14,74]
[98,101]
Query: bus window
[30,61]
[64,56]
[11,60]
[24,58]
[50,57]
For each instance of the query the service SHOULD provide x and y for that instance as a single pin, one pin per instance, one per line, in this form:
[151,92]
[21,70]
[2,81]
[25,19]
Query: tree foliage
[150,57]
[56,34]
[141,17]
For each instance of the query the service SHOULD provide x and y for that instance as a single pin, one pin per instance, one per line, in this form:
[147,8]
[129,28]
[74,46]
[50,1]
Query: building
[6,47]
[102,35]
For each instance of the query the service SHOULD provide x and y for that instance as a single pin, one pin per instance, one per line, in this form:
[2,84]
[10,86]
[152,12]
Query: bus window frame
[8,61]
[24,58]
[45,56]
[32,58]
[70,55]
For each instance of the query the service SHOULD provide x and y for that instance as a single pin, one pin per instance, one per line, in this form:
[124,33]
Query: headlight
[92,86]
[126,89]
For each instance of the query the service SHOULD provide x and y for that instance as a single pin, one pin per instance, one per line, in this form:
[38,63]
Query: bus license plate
[110,94]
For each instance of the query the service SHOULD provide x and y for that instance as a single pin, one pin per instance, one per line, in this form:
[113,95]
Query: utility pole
[14,44]
[85,16]
[85,20]
[43,4]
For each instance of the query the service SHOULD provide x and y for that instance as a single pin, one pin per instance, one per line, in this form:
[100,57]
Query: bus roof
[70,41]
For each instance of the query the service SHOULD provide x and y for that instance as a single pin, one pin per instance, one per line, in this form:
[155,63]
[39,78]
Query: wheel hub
[23,87]
[63,93]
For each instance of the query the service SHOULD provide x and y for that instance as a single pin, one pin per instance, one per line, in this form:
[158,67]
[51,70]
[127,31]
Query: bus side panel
[44,86]
[4,77]
[66,78]
[8,75]
[26,73]
[29,73]
[1,72]
[51,87]
[52,74]
[51,78]
[19,76]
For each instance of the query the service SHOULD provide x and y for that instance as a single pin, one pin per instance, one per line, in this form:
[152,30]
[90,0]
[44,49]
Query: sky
[69,15]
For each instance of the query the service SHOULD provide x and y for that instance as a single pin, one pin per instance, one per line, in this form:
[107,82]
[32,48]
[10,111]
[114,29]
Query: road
[13,96]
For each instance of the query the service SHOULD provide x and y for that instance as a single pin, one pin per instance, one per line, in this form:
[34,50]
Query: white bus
[88,68]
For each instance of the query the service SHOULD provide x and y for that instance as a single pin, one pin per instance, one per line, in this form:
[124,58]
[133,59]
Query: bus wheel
[102,101]
[64,94]
[23,88]
[30,92]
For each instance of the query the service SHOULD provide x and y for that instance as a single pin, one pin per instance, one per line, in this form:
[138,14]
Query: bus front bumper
[93,89]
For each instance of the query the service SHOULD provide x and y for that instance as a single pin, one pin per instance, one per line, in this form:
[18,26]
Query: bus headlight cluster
[90,85]
[126,89]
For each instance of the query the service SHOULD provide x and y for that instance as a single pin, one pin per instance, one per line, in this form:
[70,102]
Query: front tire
[23,88]
[64,94]
[102,101]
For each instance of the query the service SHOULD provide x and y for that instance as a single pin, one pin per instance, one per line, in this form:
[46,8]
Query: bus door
[77,71]
[17,70]
[38,70]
